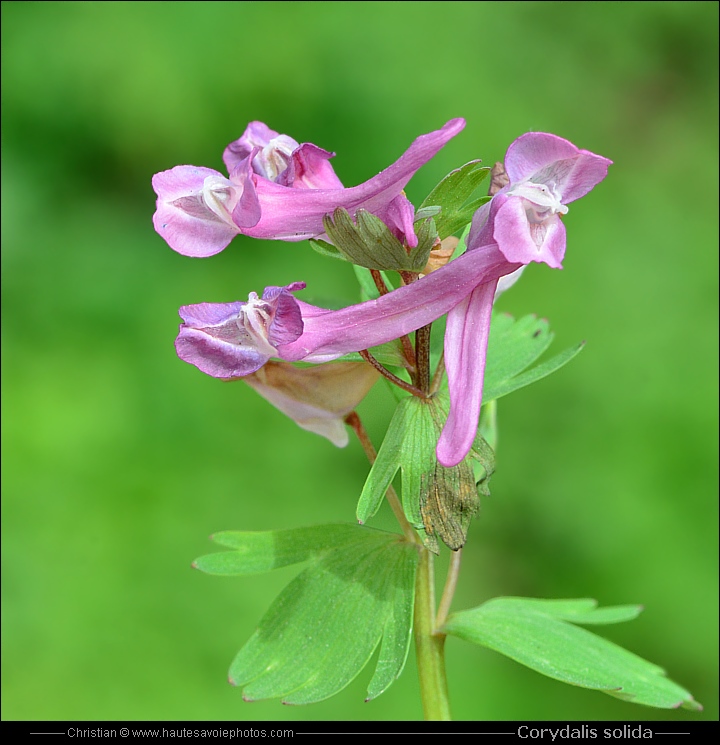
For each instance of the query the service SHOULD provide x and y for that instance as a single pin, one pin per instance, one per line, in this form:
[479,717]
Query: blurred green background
[119,460]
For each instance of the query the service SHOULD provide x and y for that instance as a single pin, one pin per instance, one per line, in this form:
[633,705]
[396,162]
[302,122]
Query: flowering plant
[449,257]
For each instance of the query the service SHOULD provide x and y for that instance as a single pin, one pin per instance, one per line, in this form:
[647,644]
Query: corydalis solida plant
[381,583]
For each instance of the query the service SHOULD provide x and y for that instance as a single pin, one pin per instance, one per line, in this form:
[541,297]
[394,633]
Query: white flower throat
[274,157]
[255,318]
[219,196]
[540,200]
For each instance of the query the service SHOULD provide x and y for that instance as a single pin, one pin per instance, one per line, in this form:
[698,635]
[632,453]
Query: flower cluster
[279,189]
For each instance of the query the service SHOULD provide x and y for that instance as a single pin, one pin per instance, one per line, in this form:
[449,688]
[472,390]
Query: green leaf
[583,611]
[437,501]
[326,249]
[383,244]
[256,552]
[452,193]
[536,373]
[397,633]
[323,628]
[367,242]
[409,445]
[533,633]
[515,345]
[389,355]
[425,212]
[426,234]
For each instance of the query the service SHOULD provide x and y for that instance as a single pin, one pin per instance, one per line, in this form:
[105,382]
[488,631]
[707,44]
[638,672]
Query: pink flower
[520,225]
[278,189]
[546,173]
[231,340]
[523,221]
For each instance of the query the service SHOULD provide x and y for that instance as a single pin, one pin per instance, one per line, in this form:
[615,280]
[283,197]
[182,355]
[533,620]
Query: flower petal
[316,398]
[287,323]
[209,314]
[309,169]
[271,150]
[482,227]
[329,334]
[534,151]
[549,159]
[231,340]
[218,346]
[183,218]
[522,241]
[247,211]
[399,217]
[296,214]
[466,338]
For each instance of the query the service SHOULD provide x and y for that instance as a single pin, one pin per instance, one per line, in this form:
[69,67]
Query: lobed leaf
[452,193]
[324,627]
[409,445]
[326,249]
[583,611]
[437,501]
[512,347]
[397,633]
[367,242]
[533,633]
[256,552]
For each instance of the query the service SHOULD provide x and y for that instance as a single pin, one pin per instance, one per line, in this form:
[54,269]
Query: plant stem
[438,376]
[354,421]
[408,277]
[379,281]
[404,340]
[409,355]
[392,378]
[429,646]
[449,589]
[422,355]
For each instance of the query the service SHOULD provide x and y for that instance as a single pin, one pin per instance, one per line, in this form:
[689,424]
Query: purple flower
[281,159]
[278,189]
[328,334]
[523,220]
[546,173]
[234,341]
[230,340]
[520,225]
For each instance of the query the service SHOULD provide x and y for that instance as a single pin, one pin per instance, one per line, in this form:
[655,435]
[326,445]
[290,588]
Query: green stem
[449,589]
[429,646]
[438,376]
